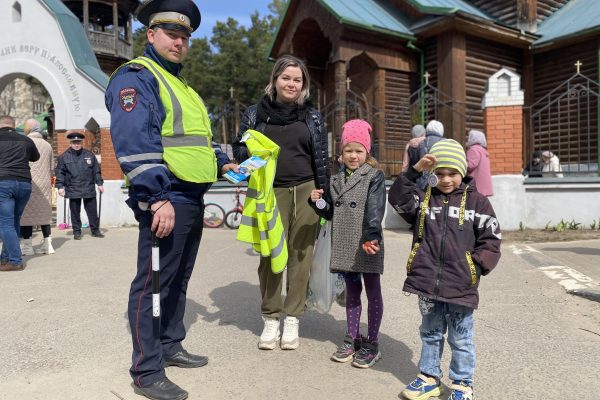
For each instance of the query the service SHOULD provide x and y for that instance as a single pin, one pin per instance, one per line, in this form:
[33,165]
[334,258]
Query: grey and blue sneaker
[461,390]
[347,350]
[422,388]
[368,354]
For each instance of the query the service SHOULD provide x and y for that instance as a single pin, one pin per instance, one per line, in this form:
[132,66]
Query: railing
[103,42]
[566,123]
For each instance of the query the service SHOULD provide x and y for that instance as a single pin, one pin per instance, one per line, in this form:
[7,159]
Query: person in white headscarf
[411,149]
[478,162]
[39,208]
[434,132]
[551,164]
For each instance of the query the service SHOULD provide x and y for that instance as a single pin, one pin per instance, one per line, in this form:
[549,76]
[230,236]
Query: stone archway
[60,58]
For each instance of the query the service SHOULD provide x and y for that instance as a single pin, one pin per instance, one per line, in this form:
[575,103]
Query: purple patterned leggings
[354,305]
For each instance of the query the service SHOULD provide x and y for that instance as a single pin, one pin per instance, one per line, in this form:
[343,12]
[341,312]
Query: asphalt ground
[65,333]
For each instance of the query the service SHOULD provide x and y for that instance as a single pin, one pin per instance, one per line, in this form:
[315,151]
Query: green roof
[447,7]
[370,14]
[574,18]
[77,42]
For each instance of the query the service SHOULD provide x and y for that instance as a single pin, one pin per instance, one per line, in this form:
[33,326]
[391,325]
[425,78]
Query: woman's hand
[426,163]
[316,194]
[371,246]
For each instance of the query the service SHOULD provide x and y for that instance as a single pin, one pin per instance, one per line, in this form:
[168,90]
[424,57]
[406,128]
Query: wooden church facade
[398,62]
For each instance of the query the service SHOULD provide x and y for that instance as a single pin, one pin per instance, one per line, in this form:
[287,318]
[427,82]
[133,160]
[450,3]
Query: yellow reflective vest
[186,133]
[261,223]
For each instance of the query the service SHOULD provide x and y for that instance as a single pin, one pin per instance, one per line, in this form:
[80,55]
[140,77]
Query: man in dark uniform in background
[163,142]
[77,172]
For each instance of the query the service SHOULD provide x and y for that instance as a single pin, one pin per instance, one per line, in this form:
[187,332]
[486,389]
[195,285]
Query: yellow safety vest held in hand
[186,133]
[261,223]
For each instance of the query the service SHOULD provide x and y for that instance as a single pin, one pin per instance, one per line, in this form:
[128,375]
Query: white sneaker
[46,247]
[289,339]
[270,334]
[27,248]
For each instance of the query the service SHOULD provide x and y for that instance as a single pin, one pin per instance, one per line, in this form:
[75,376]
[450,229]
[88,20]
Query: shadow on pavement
[587,251]
[238,304]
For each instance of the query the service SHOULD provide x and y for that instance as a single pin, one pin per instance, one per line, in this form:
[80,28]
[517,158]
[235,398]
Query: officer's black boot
[183,359]
[77,235]
[163,389]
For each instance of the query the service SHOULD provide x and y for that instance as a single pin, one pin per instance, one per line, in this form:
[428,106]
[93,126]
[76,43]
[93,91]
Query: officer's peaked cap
[75,136]
[174,13]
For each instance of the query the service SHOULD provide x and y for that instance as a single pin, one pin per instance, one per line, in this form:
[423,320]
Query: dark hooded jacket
[449,259]
[319,145]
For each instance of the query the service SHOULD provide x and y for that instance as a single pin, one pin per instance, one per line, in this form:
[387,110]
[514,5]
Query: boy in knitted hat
[456,240]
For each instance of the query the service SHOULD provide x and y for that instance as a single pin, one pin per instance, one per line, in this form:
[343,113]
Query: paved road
[65,333]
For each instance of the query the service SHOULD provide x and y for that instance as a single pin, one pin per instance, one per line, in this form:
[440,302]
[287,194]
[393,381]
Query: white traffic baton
[155,277]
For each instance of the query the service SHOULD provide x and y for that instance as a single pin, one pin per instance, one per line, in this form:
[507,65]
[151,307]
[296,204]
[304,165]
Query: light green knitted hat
[449,154]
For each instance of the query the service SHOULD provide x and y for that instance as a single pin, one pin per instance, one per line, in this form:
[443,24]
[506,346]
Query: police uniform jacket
[137,116]
[78,172]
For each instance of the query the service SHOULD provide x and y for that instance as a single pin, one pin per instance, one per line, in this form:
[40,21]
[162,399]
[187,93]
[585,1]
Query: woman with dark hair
[286,117]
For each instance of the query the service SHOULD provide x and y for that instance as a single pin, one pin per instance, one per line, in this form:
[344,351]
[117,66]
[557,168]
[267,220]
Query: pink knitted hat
[356,130]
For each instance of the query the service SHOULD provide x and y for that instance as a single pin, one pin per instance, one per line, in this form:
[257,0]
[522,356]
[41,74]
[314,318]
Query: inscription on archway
[51,58]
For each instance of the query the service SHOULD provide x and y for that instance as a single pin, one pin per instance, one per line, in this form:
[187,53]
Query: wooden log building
[375,59]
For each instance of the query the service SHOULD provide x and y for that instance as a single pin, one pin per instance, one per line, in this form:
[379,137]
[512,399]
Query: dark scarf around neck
[171,67]
[275,113]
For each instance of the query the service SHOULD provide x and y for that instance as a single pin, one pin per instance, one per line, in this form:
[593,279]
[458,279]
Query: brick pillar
[110,166]
[503,122]
[504,130]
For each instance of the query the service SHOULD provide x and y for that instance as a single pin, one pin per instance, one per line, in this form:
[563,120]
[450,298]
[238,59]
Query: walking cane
[155,277]
[99,209]
[64,224]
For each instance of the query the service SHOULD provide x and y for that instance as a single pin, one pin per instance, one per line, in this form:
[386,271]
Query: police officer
[77,172]
[162,139]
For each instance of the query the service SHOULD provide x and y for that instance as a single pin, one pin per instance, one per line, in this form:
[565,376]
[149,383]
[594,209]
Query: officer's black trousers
[153,338]
[90,206]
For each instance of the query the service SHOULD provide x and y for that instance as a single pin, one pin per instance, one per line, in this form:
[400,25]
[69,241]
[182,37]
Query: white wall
[35,46]
[515,202]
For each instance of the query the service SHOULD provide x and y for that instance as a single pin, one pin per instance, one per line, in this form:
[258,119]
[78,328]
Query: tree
[139,41]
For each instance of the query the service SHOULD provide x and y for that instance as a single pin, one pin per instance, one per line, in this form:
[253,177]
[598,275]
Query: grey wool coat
[39,207]
[356,207]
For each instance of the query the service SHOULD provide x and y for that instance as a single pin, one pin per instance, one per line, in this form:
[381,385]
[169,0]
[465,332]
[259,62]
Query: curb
[589,294]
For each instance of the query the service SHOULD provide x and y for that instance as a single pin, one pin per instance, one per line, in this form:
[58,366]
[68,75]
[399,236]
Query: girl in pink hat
[355,203]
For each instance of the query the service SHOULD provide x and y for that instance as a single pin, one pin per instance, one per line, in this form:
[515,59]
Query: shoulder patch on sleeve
[136,66]
[128,99]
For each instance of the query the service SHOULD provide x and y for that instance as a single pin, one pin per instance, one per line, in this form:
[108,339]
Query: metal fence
[565,122]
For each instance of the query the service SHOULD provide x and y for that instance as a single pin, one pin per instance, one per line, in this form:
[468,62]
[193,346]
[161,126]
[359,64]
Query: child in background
[356,204]
[456,240]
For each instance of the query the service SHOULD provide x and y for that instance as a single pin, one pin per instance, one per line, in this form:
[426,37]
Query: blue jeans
[14,196]
[437,318]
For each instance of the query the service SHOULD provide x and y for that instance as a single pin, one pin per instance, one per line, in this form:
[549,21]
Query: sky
[219,10]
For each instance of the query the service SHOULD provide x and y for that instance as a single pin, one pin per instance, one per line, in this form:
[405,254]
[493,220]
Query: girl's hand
[316,194]
[371,246]
[426,163]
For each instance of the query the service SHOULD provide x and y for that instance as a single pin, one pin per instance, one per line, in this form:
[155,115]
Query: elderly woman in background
[411,151]
[286,117]
[478,162]
[39,208]
[551,164]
